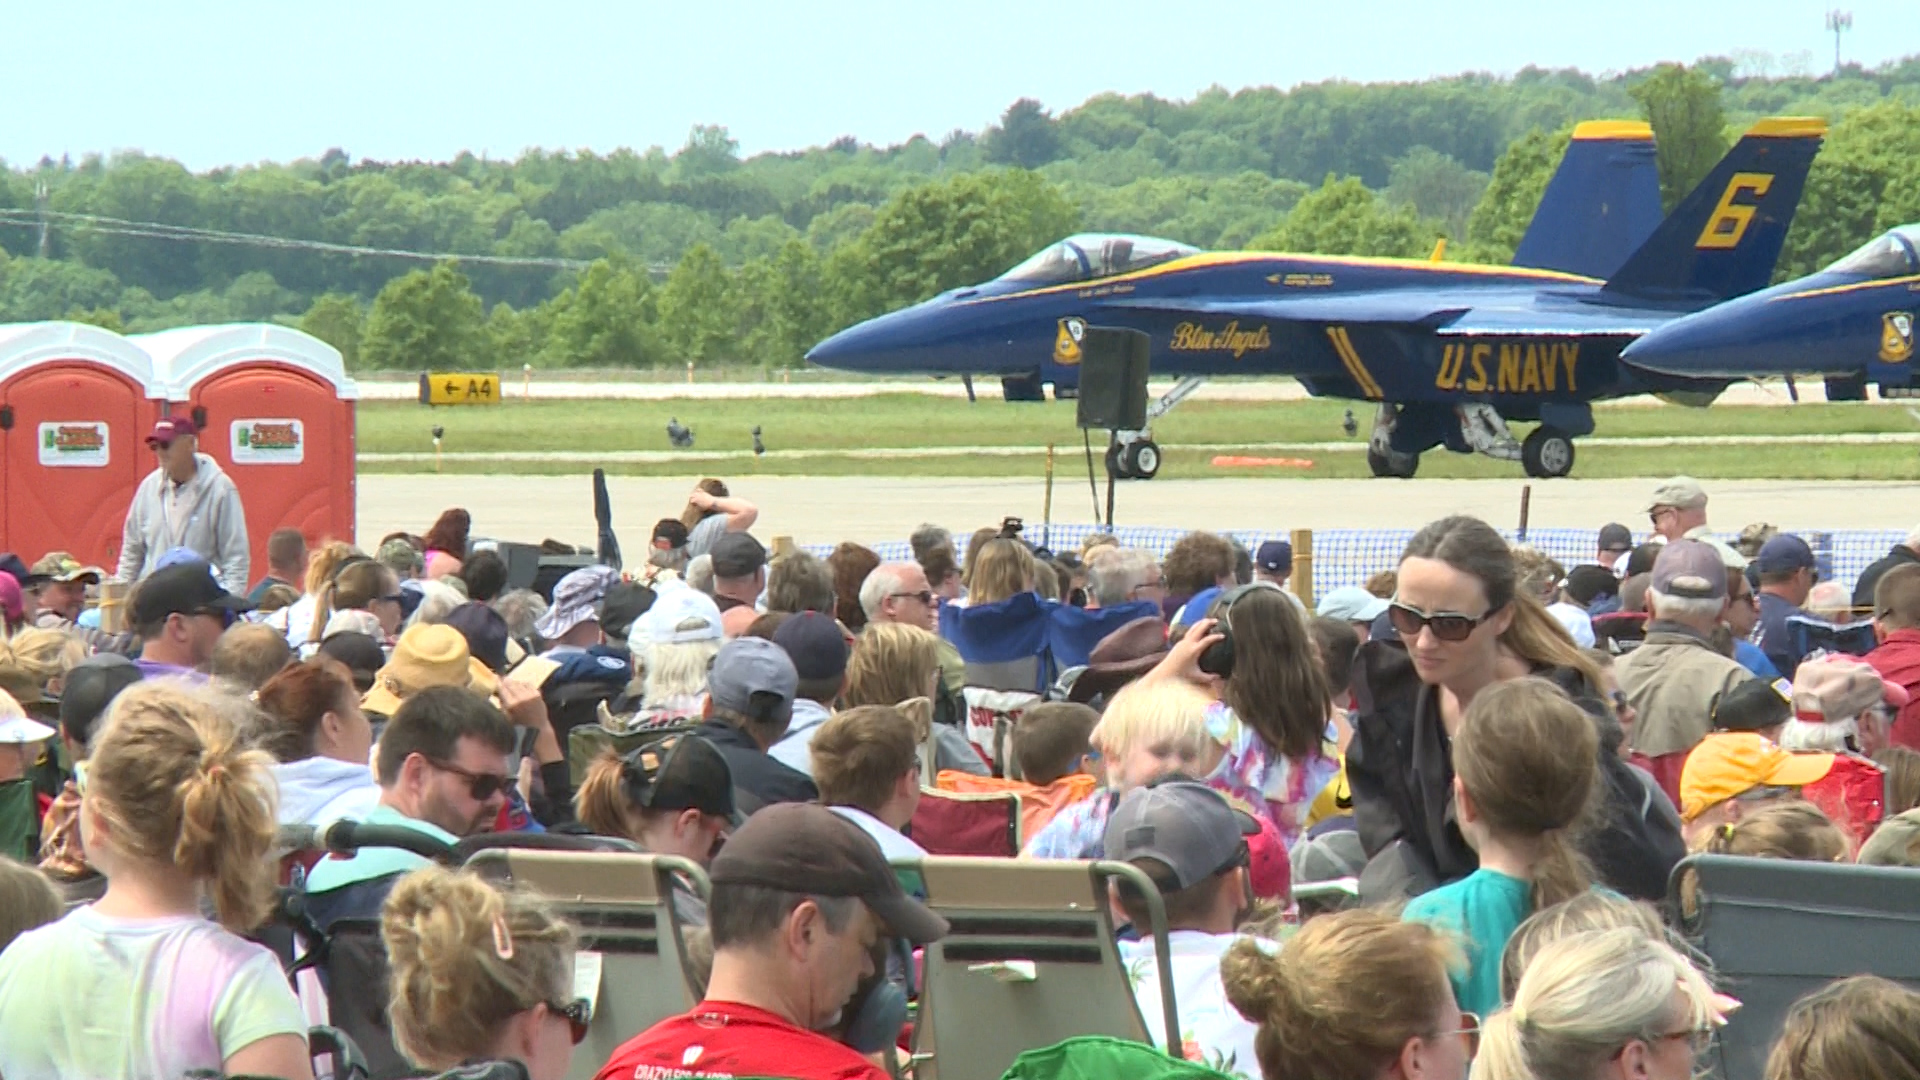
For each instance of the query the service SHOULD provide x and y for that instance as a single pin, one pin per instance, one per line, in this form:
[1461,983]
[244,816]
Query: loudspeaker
[1113,379]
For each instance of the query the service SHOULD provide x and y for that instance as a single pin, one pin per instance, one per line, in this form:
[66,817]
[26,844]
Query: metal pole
[1526,502]
[1046,507]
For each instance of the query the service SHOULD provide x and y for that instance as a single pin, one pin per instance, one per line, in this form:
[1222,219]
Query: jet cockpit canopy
[1895,253]
[1085,256]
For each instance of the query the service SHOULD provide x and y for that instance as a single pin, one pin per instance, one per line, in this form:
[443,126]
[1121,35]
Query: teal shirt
[367,864]
[1484,909]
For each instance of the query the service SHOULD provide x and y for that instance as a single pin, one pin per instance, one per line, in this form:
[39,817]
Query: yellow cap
[1788,127]
[1613,129]
[1726,763]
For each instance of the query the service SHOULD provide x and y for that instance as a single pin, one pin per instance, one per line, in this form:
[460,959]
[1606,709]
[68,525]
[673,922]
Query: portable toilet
[76,404]
[276,409]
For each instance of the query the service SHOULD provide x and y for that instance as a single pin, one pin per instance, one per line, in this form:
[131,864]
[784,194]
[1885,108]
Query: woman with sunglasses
[482,979]
[363,597]
[1602,1005]
[1356,994]
[1460,626]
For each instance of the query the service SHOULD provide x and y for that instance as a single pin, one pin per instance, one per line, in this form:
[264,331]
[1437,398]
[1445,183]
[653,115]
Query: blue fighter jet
[1852,322]
[1449,352]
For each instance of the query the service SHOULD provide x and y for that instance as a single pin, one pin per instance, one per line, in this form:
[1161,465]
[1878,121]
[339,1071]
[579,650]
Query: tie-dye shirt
[92,997]
[1279,789]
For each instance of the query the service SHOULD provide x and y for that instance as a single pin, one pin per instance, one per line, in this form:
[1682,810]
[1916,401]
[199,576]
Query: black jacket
[1901,555]
[758,778]
[1401,773]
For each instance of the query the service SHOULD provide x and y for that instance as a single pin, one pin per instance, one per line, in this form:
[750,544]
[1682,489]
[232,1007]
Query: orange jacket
[1038,804]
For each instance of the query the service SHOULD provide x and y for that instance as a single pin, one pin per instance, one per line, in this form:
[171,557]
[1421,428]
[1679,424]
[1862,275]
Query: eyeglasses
[1469,1030]
[925,596]
[482,786]
[1654,515]
[1700,1040]
[578,1014]
[1446,625]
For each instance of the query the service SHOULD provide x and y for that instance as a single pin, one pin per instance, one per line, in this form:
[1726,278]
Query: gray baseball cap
[1690,569]
[1186,825]
[754,678]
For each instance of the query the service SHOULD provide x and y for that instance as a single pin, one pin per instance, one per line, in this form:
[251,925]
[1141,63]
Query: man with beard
[442,768]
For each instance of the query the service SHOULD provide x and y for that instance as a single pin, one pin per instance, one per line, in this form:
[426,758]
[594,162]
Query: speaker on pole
[1113,379]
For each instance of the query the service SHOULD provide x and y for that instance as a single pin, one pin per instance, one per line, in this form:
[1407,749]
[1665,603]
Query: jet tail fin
[1724,238]
[1602,203]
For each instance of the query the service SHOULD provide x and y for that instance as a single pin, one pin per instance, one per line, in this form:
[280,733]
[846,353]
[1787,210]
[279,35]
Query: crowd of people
[1478,773]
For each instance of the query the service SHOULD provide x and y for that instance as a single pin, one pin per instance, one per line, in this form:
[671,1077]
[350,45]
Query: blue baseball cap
[1274,556]
[1784,553]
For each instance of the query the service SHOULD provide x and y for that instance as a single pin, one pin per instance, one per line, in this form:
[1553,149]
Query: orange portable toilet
[275,408]
[76,403]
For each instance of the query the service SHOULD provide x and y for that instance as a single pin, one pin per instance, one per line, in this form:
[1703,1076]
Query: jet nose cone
[838,351]
[1734,340]
[877,345]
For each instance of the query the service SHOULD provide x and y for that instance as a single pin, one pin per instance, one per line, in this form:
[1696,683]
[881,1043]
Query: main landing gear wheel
[1547,453]
[1396,465]
[1141,459]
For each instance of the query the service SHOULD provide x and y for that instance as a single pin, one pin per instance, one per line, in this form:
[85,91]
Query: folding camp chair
[985,823]
[1778,929]
[632,965]
[1030,961]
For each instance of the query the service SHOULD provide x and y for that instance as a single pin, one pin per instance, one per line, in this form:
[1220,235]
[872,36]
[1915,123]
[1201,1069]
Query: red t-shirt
[723,1039]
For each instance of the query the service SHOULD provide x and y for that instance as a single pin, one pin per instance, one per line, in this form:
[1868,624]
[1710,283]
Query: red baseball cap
[169,429]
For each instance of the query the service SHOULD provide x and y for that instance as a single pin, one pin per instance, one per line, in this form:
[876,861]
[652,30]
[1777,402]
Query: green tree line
[634,259]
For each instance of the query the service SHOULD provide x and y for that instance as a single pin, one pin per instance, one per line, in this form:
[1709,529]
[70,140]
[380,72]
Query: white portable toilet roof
[26,345]
[183,357]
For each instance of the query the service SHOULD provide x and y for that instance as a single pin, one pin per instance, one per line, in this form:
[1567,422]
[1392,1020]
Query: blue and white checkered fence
[1350,556]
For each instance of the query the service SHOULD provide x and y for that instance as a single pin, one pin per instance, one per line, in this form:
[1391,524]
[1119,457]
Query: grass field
[1191,436]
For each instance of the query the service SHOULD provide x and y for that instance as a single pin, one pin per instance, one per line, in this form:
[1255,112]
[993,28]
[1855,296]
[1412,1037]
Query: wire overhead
[153,230]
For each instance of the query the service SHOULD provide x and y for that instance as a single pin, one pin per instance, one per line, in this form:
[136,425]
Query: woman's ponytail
[175,784]
[227,825]
[1501,1056]
[600,803]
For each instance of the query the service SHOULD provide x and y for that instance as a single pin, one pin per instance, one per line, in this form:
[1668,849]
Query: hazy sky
[213,82]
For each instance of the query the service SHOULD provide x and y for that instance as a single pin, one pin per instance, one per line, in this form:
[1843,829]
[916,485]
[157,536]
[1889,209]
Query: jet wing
[1439,315]
[1580,322]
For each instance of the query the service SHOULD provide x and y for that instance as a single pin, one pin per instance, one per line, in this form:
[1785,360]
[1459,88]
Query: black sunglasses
[482,786]
[579,1016]
[1446,625]
[925,596]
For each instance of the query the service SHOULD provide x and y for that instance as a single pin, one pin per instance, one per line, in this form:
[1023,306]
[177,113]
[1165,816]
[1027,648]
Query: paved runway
[576,385]
[871,509]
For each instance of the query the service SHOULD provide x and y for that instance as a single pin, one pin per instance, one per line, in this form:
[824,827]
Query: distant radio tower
[1839,22]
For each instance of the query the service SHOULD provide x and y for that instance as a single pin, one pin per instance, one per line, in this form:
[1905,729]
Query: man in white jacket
[186,502]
